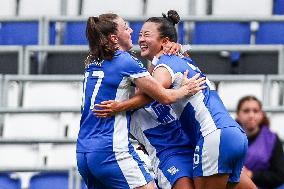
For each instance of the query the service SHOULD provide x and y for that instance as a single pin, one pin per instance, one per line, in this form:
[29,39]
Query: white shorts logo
[196,156]
[172,170]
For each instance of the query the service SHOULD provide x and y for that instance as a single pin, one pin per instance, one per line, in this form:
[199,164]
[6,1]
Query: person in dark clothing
[264,162]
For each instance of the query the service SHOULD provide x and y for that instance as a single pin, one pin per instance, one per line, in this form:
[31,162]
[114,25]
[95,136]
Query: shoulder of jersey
[138,61]
[167,59]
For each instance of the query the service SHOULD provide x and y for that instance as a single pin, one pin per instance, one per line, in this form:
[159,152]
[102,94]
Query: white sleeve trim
[155,61]
[168,68]
[138,75]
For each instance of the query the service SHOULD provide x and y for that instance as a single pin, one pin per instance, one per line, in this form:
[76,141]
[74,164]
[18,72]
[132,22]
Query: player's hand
[106,109]
[171,48]
[194,84]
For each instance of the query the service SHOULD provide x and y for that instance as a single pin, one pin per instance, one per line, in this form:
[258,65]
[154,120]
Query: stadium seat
[270,33]
[9,61]
[6,182]
[275,90]
[19,33]
[71,62]
[221,33]
[276,123]
[49,180]
[20,156]
[61,155]
[95,8]
[275,94]
[71,122]
[136,27]
[157,7]
[72,7]
[201,7]
[231,91]
[13,94]
[8,8]
[181,33]
[1,91]
[74,33]
[242,7]
[218,33]
[52,94]
[32,126]
[278,7]
[52,33]
[40,7]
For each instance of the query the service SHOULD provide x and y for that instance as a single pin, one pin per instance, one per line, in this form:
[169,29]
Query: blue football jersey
[157,127]
[110,80]
[201,113]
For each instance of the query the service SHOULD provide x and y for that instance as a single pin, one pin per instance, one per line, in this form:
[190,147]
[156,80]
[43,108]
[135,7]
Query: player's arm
[111,107]
[152,89]
[156,89]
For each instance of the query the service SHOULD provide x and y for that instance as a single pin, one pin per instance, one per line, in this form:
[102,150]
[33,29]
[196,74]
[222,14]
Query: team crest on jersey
[173,170]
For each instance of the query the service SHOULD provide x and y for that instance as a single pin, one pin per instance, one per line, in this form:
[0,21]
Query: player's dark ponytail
[173,17]
[97,33]
[93,37]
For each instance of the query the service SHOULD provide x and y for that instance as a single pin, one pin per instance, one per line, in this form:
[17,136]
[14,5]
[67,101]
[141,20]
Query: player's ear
[113,38]
[165,40]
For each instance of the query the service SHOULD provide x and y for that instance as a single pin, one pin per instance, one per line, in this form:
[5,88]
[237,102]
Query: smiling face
[149,40]
[123,35]
[250,116]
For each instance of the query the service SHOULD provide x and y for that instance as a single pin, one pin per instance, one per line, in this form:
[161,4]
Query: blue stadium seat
[211,33]
[221,33]
[270,33]
[6,182]
[49,180]
[181,33]
[52,33]
[74,33]
[19,33]
[136,27]
[278,7]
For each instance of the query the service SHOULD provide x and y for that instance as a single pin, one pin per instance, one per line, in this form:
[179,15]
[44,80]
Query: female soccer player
[105,157]
[220,143]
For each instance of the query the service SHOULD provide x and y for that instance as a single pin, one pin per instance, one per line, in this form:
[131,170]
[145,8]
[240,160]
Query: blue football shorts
[222,151]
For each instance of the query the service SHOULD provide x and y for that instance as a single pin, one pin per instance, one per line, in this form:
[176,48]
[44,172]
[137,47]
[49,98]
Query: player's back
[203,112]
[110,80]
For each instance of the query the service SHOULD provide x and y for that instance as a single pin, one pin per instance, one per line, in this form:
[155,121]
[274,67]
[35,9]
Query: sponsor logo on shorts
[196,157]
[173,170]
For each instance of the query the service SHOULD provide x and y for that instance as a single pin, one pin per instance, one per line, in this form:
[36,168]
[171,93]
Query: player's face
[149,40]
[250,116]
[124,35]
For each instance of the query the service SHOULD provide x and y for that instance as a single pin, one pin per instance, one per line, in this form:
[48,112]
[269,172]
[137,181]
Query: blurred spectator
[265,159]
